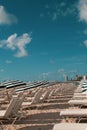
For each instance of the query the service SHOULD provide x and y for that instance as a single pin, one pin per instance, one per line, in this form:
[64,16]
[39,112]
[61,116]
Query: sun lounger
[74,113]
[80,97]
[79,94]
[11,112]
[19,102]
[5,114]
[45,95]
[70,126]
[17,112]
[78,102]
[40,96]
[36,99]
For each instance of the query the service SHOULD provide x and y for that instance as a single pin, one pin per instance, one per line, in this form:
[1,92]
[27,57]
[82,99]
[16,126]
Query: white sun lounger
[11,112]
[8,112]
[74,112]
[70,126]
[79,97]
[5,114]
[36,99]
[79,102]
[77,114]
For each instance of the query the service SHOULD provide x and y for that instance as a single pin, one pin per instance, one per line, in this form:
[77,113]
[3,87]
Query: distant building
[66,77]
[78,78]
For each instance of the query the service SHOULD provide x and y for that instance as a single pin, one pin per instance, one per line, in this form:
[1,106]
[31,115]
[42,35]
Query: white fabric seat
[70,126]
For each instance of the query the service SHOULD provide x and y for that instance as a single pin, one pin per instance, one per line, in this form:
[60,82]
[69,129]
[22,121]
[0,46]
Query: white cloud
[17,43]
[5,17]
[52,61]
[72,71]
[85,31]
[85,43]
[82,8]
[55,15]
[8,61]
[60,74]
[44,53]
[42,15]
[59,9]
[47,6]
[61,71]
[62,4]
[45,75]
[1,70]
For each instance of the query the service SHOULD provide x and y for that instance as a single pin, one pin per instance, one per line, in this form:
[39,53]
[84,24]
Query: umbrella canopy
[83,84]
[33,85]
[12,84]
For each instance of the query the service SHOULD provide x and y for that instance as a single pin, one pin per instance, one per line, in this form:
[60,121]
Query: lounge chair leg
[2,126]
[14,121]
[10,128]
[63,120]
[70,120]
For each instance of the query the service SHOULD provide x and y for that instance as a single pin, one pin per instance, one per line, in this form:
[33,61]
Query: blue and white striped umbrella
[83,84]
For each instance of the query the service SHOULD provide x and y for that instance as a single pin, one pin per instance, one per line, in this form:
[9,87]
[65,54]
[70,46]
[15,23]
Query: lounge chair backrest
[11,106]
[51,93]
[46,94]
[37,96]
[18,104]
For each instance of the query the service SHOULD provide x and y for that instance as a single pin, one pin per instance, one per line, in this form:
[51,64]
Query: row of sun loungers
[23,97]
[75,113]
[26,96]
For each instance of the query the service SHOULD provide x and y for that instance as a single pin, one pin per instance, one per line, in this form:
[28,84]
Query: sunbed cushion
[70,126]
[74,112]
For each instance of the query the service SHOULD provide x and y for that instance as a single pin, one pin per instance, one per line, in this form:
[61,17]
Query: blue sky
[43,39]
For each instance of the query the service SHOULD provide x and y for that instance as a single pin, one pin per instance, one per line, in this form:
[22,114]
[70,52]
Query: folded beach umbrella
[25,88]
[2,86]
[33,85]
[13,83]
[83,84]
